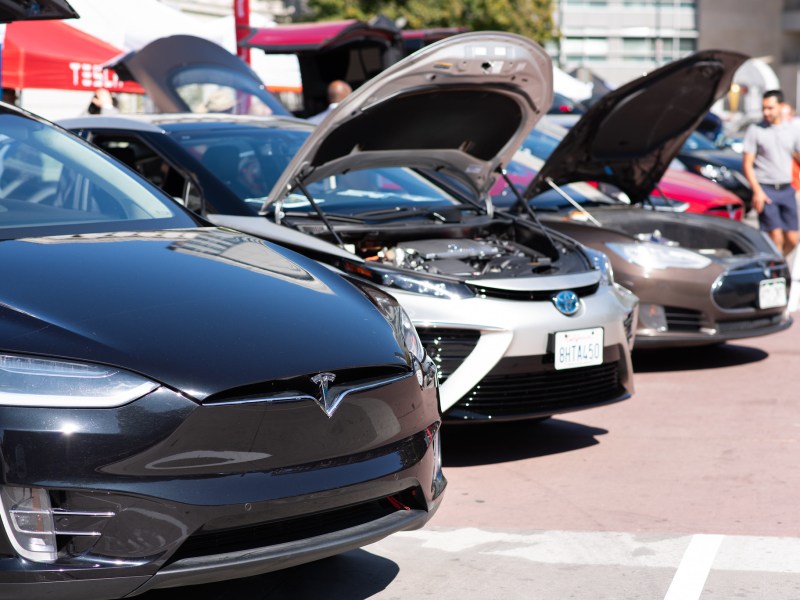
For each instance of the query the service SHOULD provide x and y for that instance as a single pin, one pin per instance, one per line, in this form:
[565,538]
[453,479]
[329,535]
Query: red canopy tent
[53,55]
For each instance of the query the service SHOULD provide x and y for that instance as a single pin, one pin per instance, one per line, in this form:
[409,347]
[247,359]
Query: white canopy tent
[756,77]
[131,24]
[571,87]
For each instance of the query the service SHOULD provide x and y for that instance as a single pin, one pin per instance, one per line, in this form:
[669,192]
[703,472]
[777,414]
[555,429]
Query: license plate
[579,348]
[772,293]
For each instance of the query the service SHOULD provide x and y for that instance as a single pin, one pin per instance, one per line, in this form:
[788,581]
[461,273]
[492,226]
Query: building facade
[619,40]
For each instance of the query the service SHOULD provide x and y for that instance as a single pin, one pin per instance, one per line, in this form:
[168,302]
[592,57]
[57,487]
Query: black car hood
[14,10]
[161,64]
[201,310]
[462,105]
[629,137]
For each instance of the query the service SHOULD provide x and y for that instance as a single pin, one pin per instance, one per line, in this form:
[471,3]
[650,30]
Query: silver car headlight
[602,264]
[716,173]
[419,284]
[416,283]
[658,256]
[44,382]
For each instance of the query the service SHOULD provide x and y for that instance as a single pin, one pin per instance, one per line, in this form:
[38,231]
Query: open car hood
[14,10]
[629,137]
[164,65]
[462,106]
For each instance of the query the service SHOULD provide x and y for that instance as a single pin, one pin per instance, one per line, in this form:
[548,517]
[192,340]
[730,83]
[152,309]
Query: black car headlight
[405,333]
[45,382]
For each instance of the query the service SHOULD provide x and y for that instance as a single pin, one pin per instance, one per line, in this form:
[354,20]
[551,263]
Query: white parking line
[590,565]
[690,578]
[794,292]
[614,548]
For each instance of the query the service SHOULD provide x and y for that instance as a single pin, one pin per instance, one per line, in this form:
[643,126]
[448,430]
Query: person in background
[103,102]
[10,96]
[338,90]
[768,148]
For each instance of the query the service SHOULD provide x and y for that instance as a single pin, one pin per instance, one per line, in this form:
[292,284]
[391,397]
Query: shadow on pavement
[701,357]
[351,576]
[481,444]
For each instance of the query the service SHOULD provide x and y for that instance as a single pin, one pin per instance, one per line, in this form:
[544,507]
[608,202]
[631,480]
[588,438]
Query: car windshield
[250,160]
[372,193]
[540,144]
[53,183]
[521,171]
[211,89]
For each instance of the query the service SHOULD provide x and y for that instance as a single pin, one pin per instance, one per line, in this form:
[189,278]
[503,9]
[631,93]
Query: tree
[531,18]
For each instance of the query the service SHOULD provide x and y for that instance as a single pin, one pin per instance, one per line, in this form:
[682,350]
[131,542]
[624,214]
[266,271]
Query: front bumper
[191,494]
[696,309]
[483,344]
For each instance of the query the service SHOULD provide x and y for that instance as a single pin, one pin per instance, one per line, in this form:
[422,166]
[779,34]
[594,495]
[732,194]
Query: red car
[701,194]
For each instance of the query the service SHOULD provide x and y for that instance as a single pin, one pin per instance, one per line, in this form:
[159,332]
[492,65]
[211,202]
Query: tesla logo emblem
[566,302]
[323,380]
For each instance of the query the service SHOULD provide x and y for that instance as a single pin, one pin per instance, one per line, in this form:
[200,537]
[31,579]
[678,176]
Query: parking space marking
[690,578]
[648,550]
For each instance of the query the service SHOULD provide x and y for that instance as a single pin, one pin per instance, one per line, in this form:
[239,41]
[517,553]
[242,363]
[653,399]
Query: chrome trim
[339,394]
[82,513]
[324,380]
[58,513]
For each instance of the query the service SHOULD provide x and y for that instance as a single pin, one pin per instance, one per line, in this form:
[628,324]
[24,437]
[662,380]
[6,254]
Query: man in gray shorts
[769,148]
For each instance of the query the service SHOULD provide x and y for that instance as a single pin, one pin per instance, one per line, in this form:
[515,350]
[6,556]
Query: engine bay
[463,258]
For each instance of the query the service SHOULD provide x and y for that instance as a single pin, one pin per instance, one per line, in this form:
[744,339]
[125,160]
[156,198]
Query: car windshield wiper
[310,214]
[444,214]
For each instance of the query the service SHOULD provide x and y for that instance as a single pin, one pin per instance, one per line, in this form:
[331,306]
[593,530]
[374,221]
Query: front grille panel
[448,347]
[683,319]
[537,295]
[209,543]
[738,288]
[749,324]
[512,395]
[304,385]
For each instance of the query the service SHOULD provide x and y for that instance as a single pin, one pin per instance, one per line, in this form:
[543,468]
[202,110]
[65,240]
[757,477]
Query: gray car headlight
[602,264]
[44,382]
[658,256]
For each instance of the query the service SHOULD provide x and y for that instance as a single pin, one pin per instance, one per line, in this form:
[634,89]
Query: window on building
[585,3]
[684,45]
